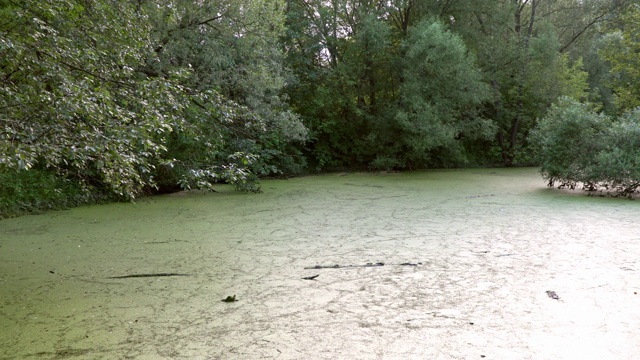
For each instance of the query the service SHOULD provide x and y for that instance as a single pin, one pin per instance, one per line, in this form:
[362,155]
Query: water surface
[469,256]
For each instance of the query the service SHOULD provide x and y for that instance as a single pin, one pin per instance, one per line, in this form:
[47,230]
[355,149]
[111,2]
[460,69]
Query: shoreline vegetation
[189,95]
[37,192]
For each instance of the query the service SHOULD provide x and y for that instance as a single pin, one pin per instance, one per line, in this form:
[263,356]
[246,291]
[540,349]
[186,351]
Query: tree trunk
[508,154]
[504,151]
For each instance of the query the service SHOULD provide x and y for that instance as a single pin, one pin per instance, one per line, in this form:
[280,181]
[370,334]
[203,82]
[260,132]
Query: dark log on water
[147,275]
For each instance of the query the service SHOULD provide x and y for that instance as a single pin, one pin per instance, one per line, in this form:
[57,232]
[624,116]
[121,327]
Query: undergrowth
[39,190]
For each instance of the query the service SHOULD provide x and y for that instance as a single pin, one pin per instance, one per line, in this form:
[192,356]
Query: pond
[443,264]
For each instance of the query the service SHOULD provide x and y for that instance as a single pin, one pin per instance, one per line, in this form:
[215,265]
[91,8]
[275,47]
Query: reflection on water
[487,244]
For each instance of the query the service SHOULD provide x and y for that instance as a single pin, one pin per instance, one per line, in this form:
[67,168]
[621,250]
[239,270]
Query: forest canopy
[105,99]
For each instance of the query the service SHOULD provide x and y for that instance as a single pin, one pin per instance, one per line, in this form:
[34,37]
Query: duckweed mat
[496,266]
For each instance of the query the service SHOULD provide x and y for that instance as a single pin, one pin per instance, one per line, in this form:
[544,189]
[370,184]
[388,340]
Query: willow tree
[438,99]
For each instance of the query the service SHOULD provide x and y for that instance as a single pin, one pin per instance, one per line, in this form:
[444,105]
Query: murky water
[468,257]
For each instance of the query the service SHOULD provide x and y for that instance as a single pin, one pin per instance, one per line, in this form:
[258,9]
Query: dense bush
[617,165]
[578,147]
[38,190]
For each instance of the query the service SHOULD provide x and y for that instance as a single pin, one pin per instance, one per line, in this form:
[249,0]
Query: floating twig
[147,275]
[336,266]
[344,266]
[553,295]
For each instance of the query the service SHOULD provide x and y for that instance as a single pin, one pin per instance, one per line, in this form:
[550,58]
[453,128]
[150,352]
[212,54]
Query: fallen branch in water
[147,275]
[359,266]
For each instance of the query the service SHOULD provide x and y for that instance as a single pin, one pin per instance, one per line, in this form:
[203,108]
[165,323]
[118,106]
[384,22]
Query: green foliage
[121,97]
[38,190]
[617,165]
[343,78]
[439,97]
[567,139]
[621,52]
[532,80]
[599,79]
[235,172]
[72,99]
[234,54]
[381,93]
[369,100]
[574,80]
[134,97]
[530,51]
[577,146]
[384,163]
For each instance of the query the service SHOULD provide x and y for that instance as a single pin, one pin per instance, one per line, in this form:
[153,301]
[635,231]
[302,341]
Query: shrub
[37,190]
[575,146]
[617,165]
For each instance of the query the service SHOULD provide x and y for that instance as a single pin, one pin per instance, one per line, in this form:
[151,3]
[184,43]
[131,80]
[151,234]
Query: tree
[71,98]
[355,70]
[117,94]
[232,49]
[526,50]
[438,98]
[622,45]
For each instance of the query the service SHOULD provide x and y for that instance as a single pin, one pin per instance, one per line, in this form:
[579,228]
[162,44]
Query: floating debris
[230,299]
[336,266]
[553,295]
[147,275]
